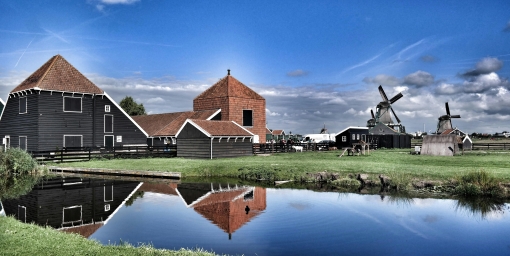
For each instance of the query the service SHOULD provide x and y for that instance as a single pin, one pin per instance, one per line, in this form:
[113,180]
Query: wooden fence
[88,153]
[267,148]
[481,146]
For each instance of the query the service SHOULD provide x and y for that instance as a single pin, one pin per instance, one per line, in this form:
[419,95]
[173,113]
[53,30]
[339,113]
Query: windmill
[383,114]
[445,121]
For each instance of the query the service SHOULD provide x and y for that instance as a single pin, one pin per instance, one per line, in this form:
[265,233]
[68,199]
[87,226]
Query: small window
[108,193]
[247,117]
[344,138]
[72,104]
[119,138]
[107,108]
[108,123]
[72,214]
[23,142]
[357,136]
[23,105]
[106,207]
[353,136]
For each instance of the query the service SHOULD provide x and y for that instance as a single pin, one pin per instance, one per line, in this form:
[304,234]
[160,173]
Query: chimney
[228,70]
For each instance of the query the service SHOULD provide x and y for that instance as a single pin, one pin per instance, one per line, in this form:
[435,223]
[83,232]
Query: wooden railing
[481,146]
[89,153]
[267,148]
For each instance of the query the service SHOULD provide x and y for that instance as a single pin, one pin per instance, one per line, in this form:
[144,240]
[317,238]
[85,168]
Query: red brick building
[238,103]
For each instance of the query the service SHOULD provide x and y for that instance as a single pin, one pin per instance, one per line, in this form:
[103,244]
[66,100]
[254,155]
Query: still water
[250,220]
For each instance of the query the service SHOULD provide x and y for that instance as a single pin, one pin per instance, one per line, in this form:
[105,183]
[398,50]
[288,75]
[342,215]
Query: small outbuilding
[213,139]
[383,136]
[350,135]
[440,145]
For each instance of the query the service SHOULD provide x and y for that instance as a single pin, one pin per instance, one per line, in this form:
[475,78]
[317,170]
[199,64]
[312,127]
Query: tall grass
[479,183]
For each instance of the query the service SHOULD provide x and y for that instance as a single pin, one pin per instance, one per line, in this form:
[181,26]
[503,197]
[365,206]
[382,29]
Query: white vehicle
[318,137]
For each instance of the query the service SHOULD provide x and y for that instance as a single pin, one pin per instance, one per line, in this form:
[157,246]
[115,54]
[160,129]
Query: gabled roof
[218,128]
[268,131]
[351,127]
[168,124]
[58,75]
[278,132]
[228,86]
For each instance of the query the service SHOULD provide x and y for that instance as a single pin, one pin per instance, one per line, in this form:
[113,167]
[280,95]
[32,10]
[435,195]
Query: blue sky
[315,62]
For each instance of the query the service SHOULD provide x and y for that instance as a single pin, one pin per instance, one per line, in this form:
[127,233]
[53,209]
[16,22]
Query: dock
[102,171]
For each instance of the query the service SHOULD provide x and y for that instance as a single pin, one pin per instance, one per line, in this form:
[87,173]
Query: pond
[252,220]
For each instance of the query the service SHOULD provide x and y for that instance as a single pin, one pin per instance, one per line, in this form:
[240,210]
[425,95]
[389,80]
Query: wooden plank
[138,173]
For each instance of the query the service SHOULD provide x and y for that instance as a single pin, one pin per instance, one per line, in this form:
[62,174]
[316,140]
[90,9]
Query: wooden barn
[213,139]
[78,205]
[162,128]
[383,136]
[58,107]
[350,135]
[440,145]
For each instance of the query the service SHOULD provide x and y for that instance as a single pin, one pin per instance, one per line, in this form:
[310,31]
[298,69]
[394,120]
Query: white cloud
[419,79]
[382,79]
[155,100]
[485,66]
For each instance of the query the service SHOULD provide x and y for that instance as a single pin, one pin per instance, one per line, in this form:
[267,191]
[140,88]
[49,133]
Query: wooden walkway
[154,174]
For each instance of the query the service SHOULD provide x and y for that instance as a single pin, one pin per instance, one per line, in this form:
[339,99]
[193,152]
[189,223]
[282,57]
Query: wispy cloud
[297,73]
[361,64]
[24,52]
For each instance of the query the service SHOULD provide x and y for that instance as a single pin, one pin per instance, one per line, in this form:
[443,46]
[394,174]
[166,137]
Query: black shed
[213,139]
[349,135]
[383,136]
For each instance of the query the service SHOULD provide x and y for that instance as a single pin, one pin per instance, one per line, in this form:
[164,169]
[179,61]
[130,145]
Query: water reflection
[227,207]
[78,205]
[482,207]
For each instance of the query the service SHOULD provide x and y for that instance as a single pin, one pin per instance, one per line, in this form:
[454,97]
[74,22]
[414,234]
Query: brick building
[238,103]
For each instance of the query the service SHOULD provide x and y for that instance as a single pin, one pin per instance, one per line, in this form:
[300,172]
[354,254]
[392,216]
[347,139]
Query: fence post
[62,155]
[90,149]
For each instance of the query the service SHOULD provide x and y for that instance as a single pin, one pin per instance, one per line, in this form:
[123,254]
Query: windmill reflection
[71,204]
[227,207]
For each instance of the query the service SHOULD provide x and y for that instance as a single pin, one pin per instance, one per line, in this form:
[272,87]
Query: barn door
[72,141]
[23,142]
[108,141]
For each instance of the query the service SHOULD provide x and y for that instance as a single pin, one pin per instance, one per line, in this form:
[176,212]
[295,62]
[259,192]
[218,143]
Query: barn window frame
[106,200]
[113,140]
[248,122]
[69,106]
[68,208]
[26,142]
[104,126]
[71,135]
[107,108]
[353,136]
[23,105]
[344,138]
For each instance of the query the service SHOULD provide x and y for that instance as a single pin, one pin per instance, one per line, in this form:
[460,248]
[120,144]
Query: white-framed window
[119,138]
[344,138]
[22,213]
[106,207]
[357,136]
[106,108]
[23,105]
[73,141]
[7,142]
[353,136]
[72,104]
[108,123]
[108,193]
[23,142]
[72,214]
[364,137]
[247,117]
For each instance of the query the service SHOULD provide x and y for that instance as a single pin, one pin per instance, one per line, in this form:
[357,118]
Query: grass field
[18,238]
[296,165]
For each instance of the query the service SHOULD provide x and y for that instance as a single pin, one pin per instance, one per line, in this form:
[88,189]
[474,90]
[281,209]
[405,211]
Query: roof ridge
[170,123]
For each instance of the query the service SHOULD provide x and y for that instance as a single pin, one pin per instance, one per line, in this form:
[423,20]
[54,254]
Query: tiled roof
[222,128]
[268,131]
[447,131]
[168,124]
[278,132]
[229,87]
[58,75]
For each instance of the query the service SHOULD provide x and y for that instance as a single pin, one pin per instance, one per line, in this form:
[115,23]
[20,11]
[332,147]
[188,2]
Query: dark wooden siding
[348,133]
[194,148]
[46,123]
[15,124]
[231,148]
[122,125]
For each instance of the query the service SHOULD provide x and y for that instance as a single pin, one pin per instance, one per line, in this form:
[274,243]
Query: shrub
[16,161]
[479,183]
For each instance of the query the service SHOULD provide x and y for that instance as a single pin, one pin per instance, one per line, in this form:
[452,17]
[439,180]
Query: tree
[131,107]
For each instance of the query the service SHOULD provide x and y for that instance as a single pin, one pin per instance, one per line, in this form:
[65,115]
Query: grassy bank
[295,166]
[17,238]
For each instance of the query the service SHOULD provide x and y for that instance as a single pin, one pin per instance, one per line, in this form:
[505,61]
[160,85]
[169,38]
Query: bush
[16,161]
[479,183]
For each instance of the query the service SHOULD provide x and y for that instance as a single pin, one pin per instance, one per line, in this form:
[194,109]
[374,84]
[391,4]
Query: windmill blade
[396,97]
[455,116]
[396,117]
[372,112]
[383,94]
[447,108]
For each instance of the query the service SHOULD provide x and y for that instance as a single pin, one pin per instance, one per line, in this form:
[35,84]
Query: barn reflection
[71,204]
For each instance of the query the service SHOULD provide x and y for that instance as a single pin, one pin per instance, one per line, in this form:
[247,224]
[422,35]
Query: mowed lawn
[296,164]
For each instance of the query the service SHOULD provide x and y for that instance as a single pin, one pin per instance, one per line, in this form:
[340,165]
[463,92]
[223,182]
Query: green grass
[295,166]
[18,238]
